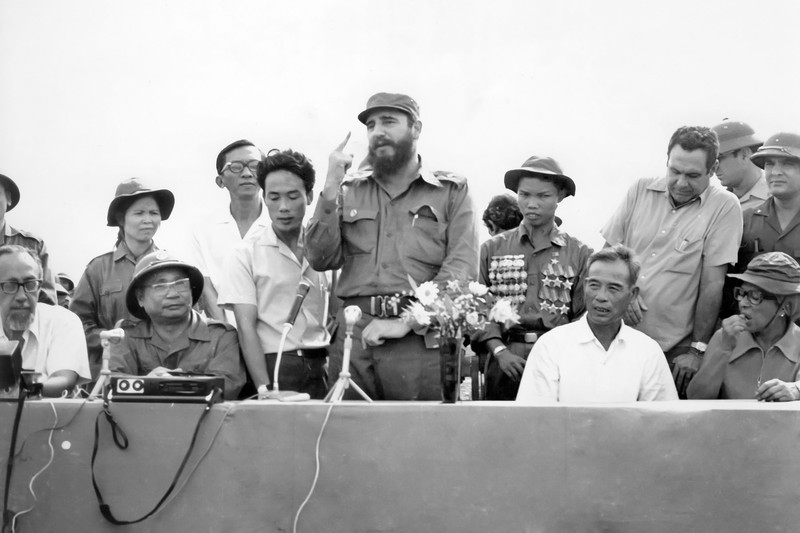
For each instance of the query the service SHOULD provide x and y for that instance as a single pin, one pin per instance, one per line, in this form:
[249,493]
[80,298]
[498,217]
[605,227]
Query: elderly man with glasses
[171,337]
[49,338]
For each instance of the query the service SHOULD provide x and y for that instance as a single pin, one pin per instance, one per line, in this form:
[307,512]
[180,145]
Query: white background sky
[93,92]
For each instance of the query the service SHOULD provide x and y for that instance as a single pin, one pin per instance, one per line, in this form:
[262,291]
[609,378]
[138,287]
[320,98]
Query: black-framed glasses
[237,167]
[755,296]
[182,286]
[29,286]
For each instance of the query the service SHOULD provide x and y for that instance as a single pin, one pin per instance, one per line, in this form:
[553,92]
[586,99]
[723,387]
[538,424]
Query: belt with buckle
[528,337]
[309,353]
[381,306]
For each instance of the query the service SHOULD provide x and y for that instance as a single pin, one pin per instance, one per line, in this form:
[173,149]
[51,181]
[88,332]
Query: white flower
[473,318]
[453,285]
[427,292]
[416,312]
[478,289]
[504,313]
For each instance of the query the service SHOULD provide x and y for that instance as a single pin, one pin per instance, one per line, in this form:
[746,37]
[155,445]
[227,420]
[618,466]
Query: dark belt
[308,353]
[381,306]
[528,337]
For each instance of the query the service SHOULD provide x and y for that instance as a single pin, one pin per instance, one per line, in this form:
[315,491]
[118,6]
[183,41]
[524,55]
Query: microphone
[107,338]
[352,314]
[302,292]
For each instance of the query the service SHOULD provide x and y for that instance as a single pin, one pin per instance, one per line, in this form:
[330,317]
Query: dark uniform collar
[122,251]
[198,329]
[556,235]
[787,344]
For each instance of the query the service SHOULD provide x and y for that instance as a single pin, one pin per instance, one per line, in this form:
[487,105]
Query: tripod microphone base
[342,384]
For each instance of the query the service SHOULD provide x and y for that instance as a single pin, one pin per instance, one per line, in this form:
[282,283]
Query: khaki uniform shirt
[427,232]
[209,347]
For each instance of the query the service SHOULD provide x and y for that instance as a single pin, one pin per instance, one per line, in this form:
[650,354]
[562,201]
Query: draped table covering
[414,467]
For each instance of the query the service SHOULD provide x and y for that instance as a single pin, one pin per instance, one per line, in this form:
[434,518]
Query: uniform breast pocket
[687,255]
[359,230]
[112,299]
[426,241]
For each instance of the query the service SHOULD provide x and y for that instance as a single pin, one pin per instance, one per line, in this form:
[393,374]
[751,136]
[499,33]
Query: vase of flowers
[455,309]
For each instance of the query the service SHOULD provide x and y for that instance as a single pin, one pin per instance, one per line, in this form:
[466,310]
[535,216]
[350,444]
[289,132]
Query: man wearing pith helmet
[685,231]
[737,142]
[774,226]
[9,198]
[392,220]
[538,266]
[170,335]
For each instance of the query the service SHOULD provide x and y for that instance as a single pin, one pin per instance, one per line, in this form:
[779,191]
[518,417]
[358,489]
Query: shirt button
[384,265]
[388,234]
[653,254]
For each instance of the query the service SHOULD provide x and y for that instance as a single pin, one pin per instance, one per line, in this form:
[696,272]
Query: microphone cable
[316,471]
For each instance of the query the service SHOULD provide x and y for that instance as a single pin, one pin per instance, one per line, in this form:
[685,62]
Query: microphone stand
[352,314]
[106,339]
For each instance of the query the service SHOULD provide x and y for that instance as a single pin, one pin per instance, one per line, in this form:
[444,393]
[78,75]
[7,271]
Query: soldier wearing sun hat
[9,198]
[170,335]
[99,298]
[538,266]
[755,354]
[737,142]
[391,220]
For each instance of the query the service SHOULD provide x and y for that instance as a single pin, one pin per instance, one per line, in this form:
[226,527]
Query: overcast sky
[93,92]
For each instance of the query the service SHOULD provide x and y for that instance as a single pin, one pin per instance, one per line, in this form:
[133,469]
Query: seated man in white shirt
[599,359]
[51,337]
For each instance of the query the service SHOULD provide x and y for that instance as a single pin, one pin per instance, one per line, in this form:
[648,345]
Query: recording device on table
[16,382]
[276,393]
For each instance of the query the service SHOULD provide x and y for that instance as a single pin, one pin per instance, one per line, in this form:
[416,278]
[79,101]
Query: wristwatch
[699,346]
[498,349]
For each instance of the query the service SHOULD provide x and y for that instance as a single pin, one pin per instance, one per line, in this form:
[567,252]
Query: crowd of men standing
[630,322]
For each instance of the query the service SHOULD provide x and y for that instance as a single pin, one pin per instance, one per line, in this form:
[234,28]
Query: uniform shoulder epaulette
[357,175]
[27,234]
[450,176]
[214,323]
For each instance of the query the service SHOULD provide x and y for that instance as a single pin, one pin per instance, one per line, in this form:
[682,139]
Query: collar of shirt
[759,191]
[270,238]
[585,335]
[426,175]
[787,344]
[121,251]
[556,235]
[225,217]
[660,185]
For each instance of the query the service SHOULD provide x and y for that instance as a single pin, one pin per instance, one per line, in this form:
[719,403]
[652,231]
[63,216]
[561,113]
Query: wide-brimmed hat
[778,145]
[154,262]
[12,191]
[131,189]
[400,102]
[734,135]
[775,272]
[539,166]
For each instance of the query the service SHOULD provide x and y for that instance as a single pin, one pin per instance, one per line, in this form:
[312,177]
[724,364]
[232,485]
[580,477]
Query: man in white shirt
[598,359]
[215,238]
[52,338]
[261,280]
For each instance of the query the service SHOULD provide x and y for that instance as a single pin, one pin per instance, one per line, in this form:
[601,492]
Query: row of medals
[508,279]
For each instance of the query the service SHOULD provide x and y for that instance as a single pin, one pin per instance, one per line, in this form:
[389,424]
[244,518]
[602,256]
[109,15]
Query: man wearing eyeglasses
[9,198]
[171,336]
[214,238]
[51,337]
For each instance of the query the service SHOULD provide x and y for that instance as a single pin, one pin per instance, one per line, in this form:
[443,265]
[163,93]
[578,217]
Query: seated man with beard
[50,338]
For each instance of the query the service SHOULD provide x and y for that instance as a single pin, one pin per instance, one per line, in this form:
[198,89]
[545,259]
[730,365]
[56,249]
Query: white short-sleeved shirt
[55,341]
[215,239]
[673,244]
[568,364]
[264,272]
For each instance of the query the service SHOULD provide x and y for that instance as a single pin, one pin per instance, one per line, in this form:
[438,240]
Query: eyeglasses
[180,285]
[237,167]
[755,296]
[30,286]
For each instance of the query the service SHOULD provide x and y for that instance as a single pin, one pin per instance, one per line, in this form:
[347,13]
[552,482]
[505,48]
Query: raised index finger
[344,143]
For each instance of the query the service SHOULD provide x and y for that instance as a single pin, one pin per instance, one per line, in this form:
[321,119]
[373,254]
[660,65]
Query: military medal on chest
[556,287]
[508,277]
